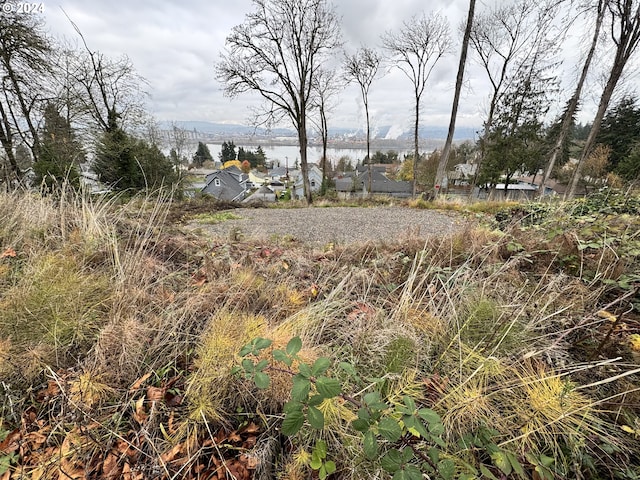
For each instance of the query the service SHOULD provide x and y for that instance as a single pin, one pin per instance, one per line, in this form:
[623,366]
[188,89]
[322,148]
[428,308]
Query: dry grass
[138,325]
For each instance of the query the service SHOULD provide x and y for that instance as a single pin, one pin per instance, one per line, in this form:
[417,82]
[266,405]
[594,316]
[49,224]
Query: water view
[290,154]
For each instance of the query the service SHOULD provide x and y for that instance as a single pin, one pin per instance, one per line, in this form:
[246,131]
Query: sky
[175,45]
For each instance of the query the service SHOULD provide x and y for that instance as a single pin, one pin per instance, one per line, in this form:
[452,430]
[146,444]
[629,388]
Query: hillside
[132,347]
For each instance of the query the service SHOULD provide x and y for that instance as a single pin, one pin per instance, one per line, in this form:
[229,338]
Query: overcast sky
[175,44]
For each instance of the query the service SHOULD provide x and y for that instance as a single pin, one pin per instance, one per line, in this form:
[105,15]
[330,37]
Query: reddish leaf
[11,443]
[173,400]
[173,453]
[154,394]
[250,428]
[51,391]
[110,468]
[8,253]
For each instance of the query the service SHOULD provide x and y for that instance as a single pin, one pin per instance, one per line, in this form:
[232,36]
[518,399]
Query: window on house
[216,182]
[313,183]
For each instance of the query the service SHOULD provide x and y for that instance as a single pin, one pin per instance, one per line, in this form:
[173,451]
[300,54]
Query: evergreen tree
[553,134]
[261,157]
[126,163]
[620,130]
[515,143]
[59,153]
[256,159]
[629,166]
[227,152]
[202,155]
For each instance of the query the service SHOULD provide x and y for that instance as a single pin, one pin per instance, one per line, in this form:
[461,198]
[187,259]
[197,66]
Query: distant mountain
[212,128]
[387,132]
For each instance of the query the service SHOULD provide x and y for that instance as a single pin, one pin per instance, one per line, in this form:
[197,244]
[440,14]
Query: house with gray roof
[229,184]
[381,184]
[315,181]
[263,195]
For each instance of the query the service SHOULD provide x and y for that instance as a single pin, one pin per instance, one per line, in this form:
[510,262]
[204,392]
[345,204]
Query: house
[256,178]
[315,181]
[514,191]
[263,195]
[229,184]
[462,173]
[381,184]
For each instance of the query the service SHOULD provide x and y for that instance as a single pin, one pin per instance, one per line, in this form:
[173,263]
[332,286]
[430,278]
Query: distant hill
[388,132]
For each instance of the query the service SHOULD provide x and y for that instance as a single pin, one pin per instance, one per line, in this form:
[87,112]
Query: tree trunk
[7,143]
[626,43]
[324,132]
[24,109]
[366,111]
[304,168]
[573,102]
[416,153]
[607,93]
[444,158]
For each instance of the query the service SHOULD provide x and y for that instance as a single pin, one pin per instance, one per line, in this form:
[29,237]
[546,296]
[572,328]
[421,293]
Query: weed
[215,218]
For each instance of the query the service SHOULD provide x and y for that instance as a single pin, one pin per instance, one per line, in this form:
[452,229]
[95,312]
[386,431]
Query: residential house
[256,178]
[381,184]
[315,181]
[263,195]
[229,184]
[514,191]
[462,174]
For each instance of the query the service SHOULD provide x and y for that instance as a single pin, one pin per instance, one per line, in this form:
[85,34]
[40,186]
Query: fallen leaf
[171,454]
[250,461]
[8,253]
[51,391]
[36,439]
[155,394]
[11,443]
[250,428]
[139,414]
[110,468]
[138,383]
[172,427]
[607,315]
[173,400]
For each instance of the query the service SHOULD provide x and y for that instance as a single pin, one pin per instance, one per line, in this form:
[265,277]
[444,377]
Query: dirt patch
[335,224]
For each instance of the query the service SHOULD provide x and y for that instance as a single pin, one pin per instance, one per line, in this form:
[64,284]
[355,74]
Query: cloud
[175,45]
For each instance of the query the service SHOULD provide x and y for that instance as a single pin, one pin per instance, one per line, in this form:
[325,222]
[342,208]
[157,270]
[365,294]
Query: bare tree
[25,70]
[277,52]
[178,139]
[444,158]
[572,105]
[625,34]
[362,68]
[415,50]
[505,38]
[109,91]
[326,86]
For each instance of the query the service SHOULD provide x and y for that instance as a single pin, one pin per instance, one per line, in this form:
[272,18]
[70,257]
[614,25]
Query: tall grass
[120,321]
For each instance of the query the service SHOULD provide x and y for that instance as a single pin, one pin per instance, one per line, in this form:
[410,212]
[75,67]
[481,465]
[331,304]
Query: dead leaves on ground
[76,445]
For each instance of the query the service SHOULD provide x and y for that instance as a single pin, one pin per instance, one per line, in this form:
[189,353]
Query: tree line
[61,103]
[285,51]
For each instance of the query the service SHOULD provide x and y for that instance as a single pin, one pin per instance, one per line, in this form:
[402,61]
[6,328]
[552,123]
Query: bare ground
[341,225]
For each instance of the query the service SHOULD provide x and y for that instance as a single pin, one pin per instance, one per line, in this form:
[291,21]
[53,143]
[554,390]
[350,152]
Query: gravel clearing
[340,225]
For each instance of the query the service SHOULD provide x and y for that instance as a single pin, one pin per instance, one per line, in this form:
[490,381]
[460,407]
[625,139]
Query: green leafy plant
[403,437]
